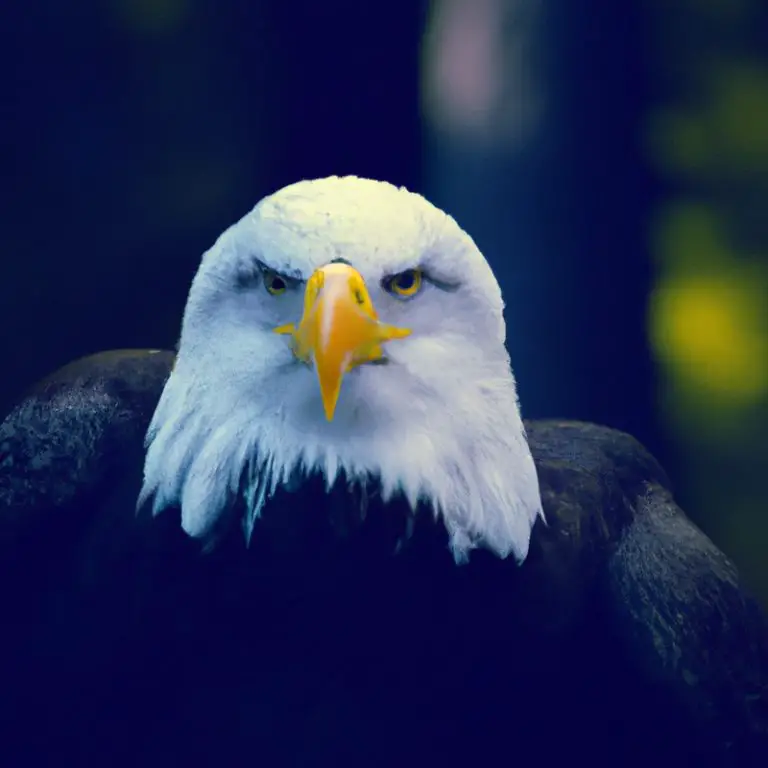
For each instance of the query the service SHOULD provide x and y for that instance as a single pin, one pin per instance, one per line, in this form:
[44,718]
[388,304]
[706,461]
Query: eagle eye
[275,283]
[404,285]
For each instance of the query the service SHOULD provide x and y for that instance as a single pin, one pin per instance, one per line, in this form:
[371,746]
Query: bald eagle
[321,534]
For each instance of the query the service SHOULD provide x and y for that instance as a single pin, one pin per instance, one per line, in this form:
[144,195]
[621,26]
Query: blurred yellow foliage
[708,314]
[711,331]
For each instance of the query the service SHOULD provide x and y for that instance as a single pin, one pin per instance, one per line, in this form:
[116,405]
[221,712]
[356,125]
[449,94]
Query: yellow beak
[339,329]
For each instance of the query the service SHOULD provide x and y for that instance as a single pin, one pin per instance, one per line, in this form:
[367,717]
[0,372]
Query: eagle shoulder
[591,480]
[72,430]
[617,546]
[692,627]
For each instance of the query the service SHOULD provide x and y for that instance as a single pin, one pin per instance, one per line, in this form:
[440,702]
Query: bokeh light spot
[710,332]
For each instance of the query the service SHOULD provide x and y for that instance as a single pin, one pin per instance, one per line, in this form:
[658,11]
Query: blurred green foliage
[708,316]
[151,16]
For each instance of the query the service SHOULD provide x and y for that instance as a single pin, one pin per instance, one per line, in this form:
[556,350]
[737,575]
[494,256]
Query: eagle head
[349,328]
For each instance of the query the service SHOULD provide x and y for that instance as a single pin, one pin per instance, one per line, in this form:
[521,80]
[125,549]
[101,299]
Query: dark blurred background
[610,159]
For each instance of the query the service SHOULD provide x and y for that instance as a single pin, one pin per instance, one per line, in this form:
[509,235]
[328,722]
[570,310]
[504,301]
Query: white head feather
[440,423]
